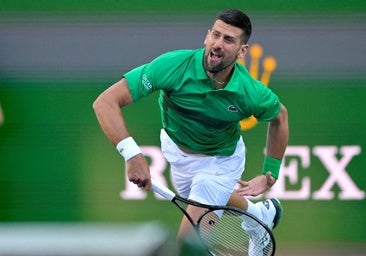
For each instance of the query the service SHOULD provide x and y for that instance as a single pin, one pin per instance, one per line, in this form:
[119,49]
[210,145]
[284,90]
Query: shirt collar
[200,70]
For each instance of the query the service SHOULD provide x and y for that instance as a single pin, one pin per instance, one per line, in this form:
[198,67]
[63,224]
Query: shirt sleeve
[160,74]
[267,106]
[138,83]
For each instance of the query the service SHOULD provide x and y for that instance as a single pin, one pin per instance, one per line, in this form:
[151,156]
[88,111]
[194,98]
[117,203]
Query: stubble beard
[215,68]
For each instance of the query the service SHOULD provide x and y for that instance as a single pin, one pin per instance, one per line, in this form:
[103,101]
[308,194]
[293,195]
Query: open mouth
[214,56]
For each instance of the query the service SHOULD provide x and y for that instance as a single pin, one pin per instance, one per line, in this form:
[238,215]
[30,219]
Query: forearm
[111,121]
[277,136]
[277,139]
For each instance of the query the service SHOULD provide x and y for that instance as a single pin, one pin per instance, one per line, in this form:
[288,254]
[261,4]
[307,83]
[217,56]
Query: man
[204,93]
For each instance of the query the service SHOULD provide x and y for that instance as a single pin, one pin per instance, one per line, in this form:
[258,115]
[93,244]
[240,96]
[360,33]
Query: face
[223,47]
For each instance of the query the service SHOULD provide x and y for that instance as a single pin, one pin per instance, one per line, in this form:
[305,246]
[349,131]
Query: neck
[220,79]
[219,82]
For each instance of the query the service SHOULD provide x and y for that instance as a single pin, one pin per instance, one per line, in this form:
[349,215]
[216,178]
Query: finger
[243,190]
[270,179]
[148,185]
[141,183]
[137,181]
[268,175]
[242,182]
[134,180]
[246,193]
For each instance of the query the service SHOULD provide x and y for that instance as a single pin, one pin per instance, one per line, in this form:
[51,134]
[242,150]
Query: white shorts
[205,179]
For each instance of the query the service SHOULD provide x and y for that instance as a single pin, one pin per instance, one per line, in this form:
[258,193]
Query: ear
[243,50]
[208,33]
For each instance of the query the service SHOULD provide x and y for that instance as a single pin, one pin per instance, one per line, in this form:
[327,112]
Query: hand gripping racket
[225,230]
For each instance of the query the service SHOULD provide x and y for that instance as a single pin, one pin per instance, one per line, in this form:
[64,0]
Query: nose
[217,44]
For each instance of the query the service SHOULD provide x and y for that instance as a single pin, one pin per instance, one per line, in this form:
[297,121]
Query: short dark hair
[238,19]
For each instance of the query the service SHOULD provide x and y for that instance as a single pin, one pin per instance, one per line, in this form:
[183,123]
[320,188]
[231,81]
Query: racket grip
[163,191]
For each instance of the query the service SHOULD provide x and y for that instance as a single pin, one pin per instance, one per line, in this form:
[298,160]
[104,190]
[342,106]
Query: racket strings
[234,234]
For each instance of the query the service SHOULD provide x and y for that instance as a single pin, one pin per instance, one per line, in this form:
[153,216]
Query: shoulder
[254,92]
[246,81]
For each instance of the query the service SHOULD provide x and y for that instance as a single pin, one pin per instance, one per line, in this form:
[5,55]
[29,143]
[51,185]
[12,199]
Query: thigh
[212,189]
[186,228]
[216,185]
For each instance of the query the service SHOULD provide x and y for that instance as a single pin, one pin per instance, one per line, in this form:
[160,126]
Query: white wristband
[128,148]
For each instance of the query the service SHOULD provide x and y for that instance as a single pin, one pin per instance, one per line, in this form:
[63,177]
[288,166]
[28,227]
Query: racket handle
[163,191]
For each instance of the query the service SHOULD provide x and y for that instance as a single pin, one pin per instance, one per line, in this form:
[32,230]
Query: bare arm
[277,139]
[277,135]
[107,108]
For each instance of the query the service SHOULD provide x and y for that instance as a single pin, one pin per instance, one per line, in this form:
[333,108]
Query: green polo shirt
[195,115]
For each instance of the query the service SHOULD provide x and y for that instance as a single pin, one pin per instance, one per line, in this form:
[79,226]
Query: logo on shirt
[269,65]
[145,81]
[232,108]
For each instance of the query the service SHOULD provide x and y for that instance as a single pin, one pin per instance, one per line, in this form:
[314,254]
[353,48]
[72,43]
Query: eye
[230,40]
[215,35]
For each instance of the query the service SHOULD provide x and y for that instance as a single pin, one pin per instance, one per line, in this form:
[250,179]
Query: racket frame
[173,197]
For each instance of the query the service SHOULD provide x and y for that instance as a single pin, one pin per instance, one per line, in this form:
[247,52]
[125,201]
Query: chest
[200,98]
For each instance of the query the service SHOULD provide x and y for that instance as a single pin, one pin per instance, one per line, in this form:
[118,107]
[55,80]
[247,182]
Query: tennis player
[204,93]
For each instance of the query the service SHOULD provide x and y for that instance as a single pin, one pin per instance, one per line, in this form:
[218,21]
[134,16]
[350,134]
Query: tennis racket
[225,230]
